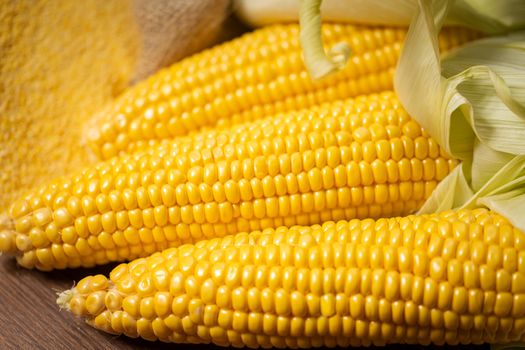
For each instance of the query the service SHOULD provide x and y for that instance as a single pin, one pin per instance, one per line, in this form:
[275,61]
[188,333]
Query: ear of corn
[259,74]
[454,277]
[360,158]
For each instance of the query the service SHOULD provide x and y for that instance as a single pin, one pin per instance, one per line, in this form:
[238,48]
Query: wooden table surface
[30,319]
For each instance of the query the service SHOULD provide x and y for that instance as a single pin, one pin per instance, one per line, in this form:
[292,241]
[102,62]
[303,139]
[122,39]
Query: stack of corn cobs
[254,206]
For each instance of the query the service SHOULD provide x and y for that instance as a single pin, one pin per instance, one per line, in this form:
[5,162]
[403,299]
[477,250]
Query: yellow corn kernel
[259,74]
[348,282]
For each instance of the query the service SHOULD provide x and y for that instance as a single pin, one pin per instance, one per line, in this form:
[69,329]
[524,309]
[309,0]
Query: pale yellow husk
[473,102]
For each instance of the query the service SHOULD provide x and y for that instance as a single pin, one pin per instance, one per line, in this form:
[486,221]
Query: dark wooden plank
[30,319]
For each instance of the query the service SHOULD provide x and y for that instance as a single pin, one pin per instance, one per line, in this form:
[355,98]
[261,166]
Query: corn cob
[259,74]
[361,158]
[454,277]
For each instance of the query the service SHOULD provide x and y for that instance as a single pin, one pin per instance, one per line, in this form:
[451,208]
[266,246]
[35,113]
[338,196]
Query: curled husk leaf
[473,103]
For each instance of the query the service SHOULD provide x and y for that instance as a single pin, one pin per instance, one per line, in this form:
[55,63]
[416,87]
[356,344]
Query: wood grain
[30,319]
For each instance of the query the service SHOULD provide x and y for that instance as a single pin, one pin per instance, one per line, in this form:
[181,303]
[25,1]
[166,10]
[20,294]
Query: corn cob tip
[64,299]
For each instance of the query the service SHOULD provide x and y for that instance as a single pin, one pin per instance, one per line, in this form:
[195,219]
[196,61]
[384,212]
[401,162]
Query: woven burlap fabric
[173,29]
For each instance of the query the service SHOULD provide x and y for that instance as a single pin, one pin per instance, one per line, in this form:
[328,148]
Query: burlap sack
[173,29]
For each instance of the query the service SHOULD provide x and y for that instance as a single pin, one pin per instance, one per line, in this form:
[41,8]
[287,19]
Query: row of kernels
[495,256]
[350,255]
[256,330]
[373,61]
[306,159]
[385,100]
[378,171]
[282,304]
[185,330]
[242,224]
[396,148]
[244,188]
[338,256]
[484,276]
[375,211]
[143,227]
[342,90]
[230,208]
[186,231]
[298,304]
[44,259]
[452,301]
[346,114]
[155,201]
[307,316]
[82,254]
[334,166]
[437,269]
